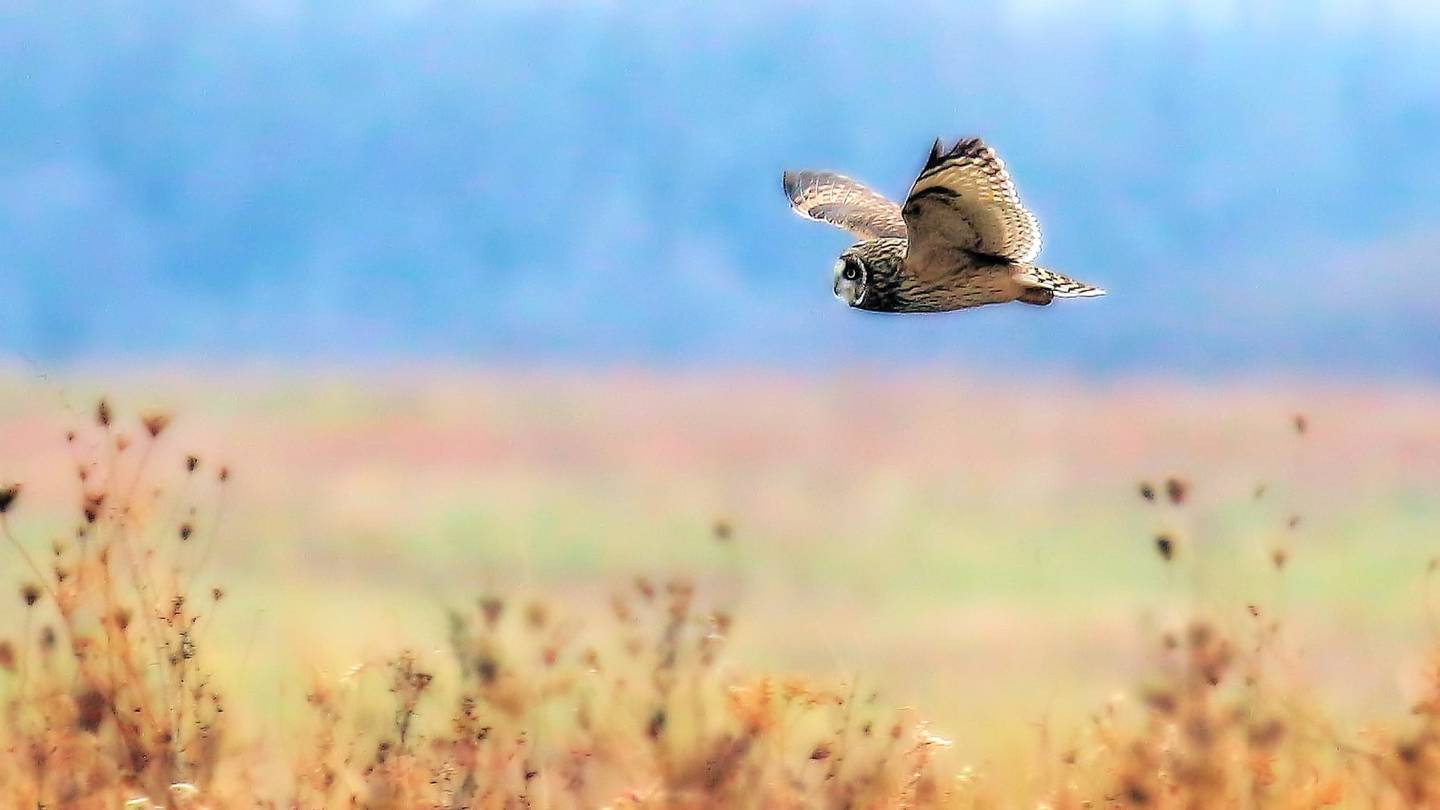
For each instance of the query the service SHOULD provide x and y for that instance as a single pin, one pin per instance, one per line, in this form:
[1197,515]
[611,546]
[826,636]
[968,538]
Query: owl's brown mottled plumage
[961,239]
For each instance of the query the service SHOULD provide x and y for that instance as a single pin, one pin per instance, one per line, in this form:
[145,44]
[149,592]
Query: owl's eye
[851,272]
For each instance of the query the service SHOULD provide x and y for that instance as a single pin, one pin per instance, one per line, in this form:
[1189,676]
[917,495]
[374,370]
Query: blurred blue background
[1257,184]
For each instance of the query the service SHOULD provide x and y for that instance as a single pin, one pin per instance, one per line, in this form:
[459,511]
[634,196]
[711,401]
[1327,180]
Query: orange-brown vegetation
[108,700]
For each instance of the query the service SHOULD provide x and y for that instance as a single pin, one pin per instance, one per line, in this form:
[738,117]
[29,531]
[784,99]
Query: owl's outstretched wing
[842,202]
[965,199]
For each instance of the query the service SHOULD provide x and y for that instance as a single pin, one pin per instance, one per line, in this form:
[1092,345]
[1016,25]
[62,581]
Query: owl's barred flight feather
[961,239]
[840,201]
[1061,285]
[983,205]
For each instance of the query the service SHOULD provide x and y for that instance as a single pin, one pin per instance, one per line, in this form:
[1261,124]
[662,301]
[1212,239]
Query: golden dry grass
[110,697]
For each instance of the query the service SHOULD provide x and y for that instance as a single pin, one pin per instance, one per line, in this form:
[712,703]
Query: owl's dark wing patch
[842,202]
[965,199]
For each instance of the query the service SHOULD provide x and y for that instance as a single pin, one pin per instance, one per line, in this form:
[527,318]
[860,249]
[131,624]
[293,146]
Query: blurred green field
[975,548]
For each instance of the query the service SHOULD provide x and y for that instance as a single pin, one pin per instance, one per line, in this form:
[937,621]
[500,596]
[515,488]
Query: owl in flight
[962,238]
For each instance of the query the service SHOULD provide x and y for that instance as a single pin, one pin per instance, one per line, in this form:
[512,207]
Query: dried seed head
[491,607]
[90,707]
[102,413]
[656,726]
[155,423]
[1161,701]
[217,593]
[1176,489]
[536,615]
[1147,491]
[122,618]
[224,474]
[722,530]
[30,593]
[185,531]
[645,587]
[1279,557]
[192,463]
[1166,547]
[92,505]
[8,494]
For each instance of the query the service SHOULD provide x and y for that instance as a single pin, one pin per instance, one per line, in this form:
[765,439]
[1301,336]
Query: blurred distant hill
[1258,184]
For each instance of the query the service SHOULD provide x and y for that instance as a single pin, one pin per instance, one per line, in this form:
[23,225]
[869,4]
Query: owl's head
[866,272]
[851,277]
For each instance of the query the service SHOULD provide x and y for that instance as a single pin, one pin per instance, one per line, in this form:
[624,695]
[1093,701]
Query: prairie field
[996,564]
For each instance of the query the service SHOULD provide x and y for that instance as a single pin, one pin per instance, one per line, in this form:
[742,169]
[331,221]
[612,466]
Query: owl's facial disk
[850,280]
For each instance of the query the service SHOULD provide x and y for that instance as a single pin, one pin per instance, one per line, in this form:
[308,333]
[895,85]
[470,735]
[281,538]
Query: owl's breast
[956,281]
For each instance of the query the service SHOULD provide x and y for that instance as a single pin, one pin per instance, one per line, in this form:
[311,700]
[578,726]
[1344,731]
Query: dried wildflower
[155,423]
[722,621]
[645,587]
[185,531]
[122,618]
[491,607]
[192,463]
[1266,735]
[656,726]
[1165,546]
[1176,489]
[1147,491]
[30,593]
[217,593]
[47,638]
[7,497]
[102,413]
[90,707]
[69,436]
[1279,557]
[224,474]
[1162,702]
[536,615]
[92,505]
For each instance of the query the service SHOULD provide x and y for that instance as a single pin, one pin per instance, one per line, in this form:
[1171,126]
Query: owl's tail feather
[1059,286]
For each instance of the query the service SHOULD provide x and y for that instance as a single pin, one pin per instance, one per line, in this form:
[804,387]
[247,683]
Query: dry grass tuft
[107,700]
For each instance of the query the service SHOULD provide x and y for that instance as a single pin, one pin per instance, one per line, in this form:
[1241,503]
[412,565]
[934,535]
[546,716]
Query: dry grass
[108,701]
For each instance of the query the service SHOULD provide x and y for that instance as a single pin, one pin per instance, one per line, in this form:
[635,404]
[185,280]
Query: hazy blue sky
[1258,184]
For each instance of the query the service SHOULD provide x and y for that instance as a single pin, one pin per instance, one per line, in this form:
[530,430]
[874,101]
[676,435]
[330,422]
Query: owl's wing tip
[795,183]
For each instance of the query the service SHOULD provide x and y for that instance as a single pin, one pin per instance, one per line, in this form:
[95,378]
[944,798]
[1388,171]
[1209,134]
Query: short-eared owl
[962,239]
